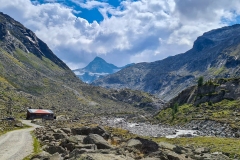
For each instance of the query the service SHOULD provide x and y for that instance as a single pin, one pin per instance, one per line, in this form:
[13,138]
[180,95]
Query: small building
[39,113]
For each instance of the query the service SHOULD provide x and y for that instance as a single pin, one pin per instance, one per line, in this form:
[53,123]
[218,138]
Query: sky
[120,31]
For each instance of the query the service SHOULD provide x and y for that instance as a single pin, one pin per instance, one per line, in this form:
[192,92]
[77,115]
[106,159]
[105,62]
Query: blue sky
[88,14]
[121,32]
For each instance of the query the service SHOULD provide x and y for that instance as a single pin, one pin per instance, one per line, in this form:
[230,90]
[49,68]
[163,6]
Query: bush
[200,81]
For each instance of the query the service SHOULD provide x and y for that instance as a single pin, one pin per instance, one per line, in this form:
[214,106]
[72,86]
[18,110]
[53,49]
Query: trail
[16,145]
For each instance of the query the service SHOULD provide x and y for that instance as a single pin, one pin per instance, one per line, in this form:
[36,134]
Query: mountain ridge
[215,54]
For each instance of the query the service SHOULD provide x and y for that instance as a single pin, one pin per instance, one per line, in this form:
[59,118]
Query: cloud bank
[134,31]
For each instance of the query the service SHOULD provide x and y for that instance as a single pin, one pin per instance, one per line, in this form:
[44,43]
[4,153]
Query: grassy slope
[224,111]
[39,83]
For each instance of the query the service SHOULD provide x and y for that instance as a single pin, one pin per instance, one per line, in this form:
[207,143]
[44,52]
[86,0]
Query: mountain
[216,101]
[32,76]
[215,54]
[96,69]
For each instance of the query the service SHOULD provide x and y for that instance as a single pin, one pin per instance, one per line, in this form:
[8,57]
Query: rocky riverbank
[148,129]
[213,128]
[95,143]
[194,128]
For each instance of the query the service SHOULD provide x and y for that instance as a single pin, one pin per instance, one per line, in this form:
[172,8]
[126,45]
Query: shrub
[200,81]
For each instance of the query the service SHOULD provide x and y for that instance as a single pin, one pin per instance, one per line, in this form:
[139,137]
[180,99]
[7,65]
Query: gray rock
[18,125]
[58,136]
[56,156]
[66,130]
[100,131]
[100,142]
[219,156]
[171,147]
[201,150]
[76,139]
[98,156]
[86,146]
[174,156]
[55,149]
[81,131]
[150,158]
[134,143]
[148,146]
[76,153]
[41,156]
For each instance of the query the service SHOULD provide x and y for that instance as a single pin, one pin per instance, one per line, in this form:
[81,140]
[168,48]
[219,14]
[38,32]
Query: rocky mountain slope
[96,69]
[203,106]
[215,54]
[32,76]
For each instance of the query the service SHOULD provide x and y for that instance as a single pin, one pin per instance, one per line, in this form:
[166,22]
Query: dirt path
[16,145]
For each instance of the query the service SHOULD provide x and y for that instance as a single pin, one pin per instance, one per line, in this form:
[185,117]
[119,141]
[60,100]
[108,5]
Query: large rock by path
[100,142]
[55,149]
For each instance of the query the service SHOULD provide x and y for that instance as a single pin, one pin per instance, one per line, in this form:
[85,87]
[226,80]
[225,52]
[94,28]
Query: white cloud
[136,31]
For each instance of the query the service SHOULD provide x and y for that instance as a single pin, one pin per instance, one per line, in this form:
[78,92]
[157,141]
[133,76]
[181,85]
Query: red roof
[41,111]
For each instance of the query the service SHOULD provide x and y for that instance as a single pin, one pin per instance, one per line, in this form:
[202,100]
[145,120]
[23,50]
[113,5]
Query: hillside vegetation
[31,76]
[216,100]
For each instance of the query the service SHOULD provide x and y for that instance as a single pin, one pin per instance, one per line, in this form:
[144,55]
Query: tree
[175,108]
[200,81]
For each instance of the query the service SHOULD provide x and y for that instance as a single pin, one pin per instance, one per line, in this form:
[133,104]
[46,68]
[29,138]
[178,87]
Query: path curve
[16,145]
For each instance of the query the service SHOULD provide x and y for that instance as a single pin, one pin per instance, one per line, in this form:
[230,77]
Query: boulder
[47,137]
[100,142]
[55,149]
[86,146]
[100,131]
[58,136]
[99,156]
[81,131]
[135,143]
[148,146]
[66,130]
[76,153]
[40,156]
[18,125]
[201,150]
[70,146]
[76,139]
[55,156]
[219,156]
[171,147]
[174,156]
[150,158]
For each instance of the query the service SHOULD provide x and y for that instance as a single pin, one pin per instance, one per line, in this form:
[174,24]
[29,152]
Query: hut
[39,113]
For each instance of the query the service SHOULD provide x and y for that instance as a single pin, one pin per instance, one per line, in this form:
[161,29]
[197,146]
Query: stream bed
[147,129]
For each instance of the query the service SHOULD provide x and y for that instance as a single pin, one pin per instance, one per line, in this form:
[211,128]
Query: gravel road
[16,145]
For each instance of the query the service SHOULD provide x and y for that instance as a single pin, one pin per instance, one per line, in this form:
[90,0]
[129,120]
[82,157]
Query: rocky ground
[194,128]
[96,143]
[213,128]
[147,129]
